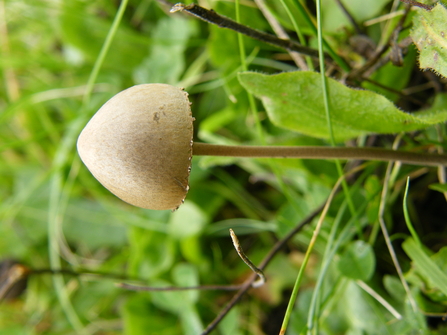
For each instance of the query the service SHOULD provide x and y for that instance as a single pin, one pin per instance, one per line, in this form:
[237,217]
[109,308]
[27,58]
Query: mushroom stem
[318,152]
[139,146]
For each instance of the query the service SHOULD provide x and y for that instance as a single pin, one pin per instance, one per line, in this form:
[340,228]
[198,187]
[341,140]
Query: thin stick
[132,287]
[211,16]
[379,298]
[248,283]
[417,4]
[319,152]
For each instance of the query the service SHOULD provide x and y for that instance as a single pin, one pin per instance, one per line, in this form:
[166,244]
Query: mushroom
[139,146]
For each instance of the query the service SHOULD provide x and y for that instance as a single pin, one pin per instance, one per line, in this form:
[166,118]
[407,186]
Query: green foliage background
[54,214]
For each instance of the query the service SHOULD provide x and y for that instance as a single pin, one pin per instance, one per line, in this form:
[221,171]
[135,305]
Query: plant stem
[319,152]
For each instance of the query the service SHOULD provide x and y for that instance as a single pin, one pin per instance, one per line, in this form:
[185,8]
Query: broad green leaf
[230,324]
[431,295]
[166,62]
[183,275]
[426,266]
[440,259]
[186,275]
[17,330]
[294,101]
[191,249]
[141,318]
[430,36]
[191,322]
[394,288]
[151,253]
[357,261]
[187,221]
[87,223]
[168,300]
[362,312]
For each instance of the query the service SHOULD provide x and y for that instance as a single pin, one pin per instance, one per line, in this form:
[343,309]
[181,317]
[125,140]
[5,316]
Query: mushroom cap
[139,145]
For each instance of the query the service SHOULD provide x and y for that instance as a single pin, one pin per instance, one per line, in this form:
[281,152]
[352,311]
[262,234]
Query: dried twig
[247,261]
[211,16]
[417,4]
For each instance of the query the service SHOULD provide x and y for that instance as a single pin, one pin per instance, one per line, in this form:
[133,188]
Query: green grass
[60,61]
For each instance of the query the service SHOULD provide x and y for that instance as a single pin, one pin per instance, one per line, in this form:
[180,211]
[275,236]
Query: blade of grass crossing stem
[407,215]
[245,68]
[296,287]
[298,32]
[55,214]
[328,113]
[254,110]
[315,30]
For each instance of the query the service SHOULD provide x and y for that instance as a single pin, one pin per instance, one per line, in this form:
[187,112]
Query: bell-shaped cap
[139,145]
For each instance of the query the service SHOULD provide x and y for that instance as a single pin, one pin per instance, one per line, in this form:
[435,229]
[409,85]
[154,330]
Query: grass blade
[426,266]
[407,215]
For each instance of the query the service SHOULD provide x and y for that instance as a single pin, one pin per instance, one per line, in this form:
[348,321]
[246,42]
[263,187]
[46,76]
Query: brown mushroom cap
[139,145]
